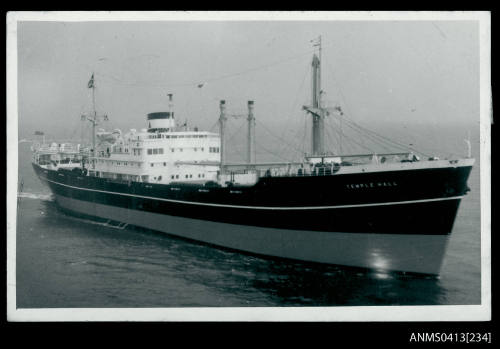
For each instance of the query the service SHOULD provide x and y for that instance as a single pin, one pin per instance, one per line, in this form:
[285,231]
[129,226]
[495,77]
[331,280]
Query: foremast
[93,118]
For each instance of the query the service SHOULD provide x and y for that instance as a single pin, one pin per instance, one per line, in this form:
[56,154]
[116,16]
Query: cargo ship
[391,212]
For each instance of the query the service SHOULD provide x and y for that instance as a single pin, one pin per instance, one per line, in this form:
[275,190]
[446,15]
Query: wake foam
[36,196]
[108,223]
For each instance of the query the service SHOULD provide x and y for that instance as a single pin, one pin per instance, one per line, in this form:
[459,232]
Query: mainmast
[317,112]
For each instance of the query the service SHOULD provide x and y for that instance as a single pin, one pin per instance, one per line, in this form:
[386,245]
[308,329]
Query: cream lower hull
[395,252]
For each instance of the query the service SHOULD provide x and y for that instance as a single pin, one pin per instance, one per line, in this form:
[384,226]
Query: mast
[250,134]
[222,126]
[317,112]
[93,118]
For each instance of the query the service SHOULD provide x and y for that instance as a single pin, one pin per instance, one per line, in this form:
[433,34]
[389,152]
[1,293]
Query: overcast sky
[378,71]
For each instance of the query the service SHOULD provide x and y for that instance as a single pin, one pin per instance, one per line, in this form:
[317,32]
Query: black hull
[332,219]
[423,201]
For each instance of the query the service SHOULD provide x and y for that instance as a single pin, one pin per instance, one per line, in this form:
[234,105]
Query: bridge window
[150,151]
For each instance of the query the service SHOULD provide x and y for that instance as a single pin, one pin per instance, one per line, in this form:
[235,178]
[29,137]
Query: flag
[39,133]
[91,82]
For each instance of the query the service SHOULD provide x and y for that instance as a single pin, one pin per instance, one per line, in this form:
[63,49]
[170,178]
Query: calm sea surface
[69,262]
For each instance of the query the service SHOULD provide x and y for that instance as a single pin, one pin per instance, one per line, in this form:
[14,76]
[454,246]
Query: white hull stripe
[259,207]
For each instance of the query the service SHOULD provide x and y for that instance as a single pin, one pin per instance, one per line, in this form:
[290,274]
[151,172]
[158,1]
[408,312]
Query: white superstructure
[162,153]
[58,155]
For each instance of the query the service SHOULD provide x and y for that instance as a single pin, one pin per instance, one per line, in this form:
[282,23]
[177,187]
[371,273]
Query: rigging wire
[197,83]
[275,154]
[351,140]
[236,131]
[329,138]
[211,129]
[361,145]
[295,102]
[401,146]
[296,142]
[278,137]
[357,129]
[377,141]
[305,134]
[388,140]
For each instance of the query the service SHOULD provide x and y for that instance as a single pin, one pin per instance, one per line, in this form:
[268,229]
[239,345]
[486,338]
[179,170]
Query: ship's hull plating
[403,235]
[407,252]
